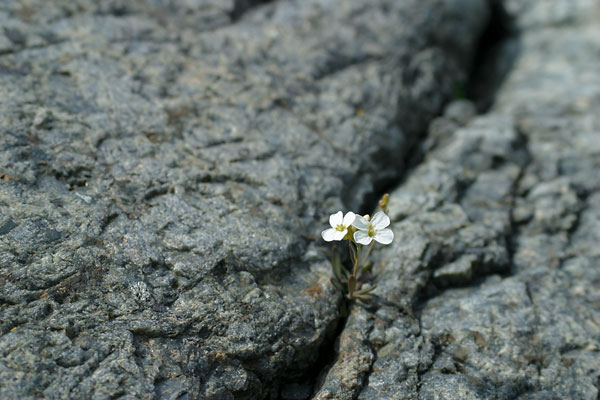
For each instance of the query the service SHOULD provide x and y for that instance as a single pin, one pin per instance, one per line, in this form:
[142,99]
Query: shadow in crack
[241,6]
[498,49]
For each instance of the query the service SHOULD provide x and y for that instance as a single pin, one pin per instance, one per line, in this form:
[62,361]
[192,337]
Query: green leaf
[367,290]
[351,284]
[363,298]
[338,285]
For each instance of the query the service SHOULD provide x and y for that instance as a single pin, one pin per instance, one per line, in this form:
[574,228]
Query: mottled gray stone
[450,242]
[166,169]
[490,288]
[354,359]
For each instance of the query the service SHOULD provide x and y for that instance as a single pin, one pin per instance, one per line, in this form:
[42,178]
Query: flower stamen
[371,231]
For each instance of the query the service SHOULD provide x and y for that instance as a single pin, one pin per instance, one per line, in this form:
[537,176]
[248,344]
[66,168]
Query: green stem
[369,251]
[352,252]
[357,260]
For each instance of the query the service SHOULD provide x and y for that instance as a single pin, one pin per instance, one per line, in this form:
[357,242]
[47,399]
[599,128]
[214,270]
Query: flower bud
[383,203]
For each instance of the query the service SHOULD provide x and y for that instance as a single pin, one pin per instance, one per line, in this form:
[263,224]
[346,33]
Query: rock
[447,243]
[489,287]
[166,169]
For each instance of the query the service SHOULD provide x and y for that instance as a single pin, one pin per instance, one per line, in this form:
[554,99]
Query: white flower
[373,229]
[339,226]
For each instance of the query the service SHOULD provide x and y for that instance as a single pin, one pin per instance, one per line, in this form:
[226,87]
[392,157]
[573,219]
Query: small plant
[359,231]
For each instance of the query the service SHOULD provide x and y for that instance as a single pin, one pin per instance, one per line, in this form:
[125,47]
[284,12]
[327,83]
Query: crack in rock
[184,146]
[489,286]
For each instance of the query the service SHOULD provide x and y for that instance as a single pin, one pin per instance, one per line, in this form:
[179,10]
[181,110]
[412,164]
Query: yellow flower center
[371,231]
[340,228]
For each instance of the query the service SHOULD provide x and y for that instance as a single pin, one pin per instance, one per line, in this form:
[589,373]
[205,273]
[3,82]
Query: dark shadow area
[497,51]
[241,6]
[306,384]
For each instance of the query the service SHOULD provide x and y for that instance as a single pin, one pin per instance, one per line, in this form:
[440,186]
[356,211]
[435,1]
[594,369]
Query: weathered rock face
[166,167]
[492,285]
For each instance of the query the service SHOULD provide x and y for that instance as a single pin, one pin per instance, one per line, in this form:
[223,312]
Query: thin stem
[357,261]
[352,252]
[369,251]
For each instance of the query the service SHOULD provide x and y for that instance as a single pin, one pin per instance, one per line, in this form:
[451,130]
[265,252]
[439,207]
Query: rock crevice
[166,167]
[485,292]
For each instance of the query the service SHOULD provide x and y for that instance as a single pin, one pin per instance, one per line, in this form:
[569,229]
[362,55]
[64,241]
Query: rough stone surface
[491,289]
[165,170]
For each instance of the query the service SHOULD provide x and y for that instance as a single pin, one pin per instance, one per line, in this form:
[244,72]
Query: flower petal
[339,235]
[361,223]
[349,218]
[331,234]
[362,237]
[380,220]
[384,236]
[336,219]
[328,235]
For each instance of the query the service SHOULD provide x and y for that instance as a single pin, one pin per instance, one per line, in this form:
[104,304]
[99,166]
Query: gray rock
[166,167]
[489,289]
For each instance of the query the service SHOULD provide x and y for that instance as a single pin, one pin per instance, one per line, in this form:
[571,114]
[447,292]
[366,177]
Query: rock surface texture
[491,289]
[166,168]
